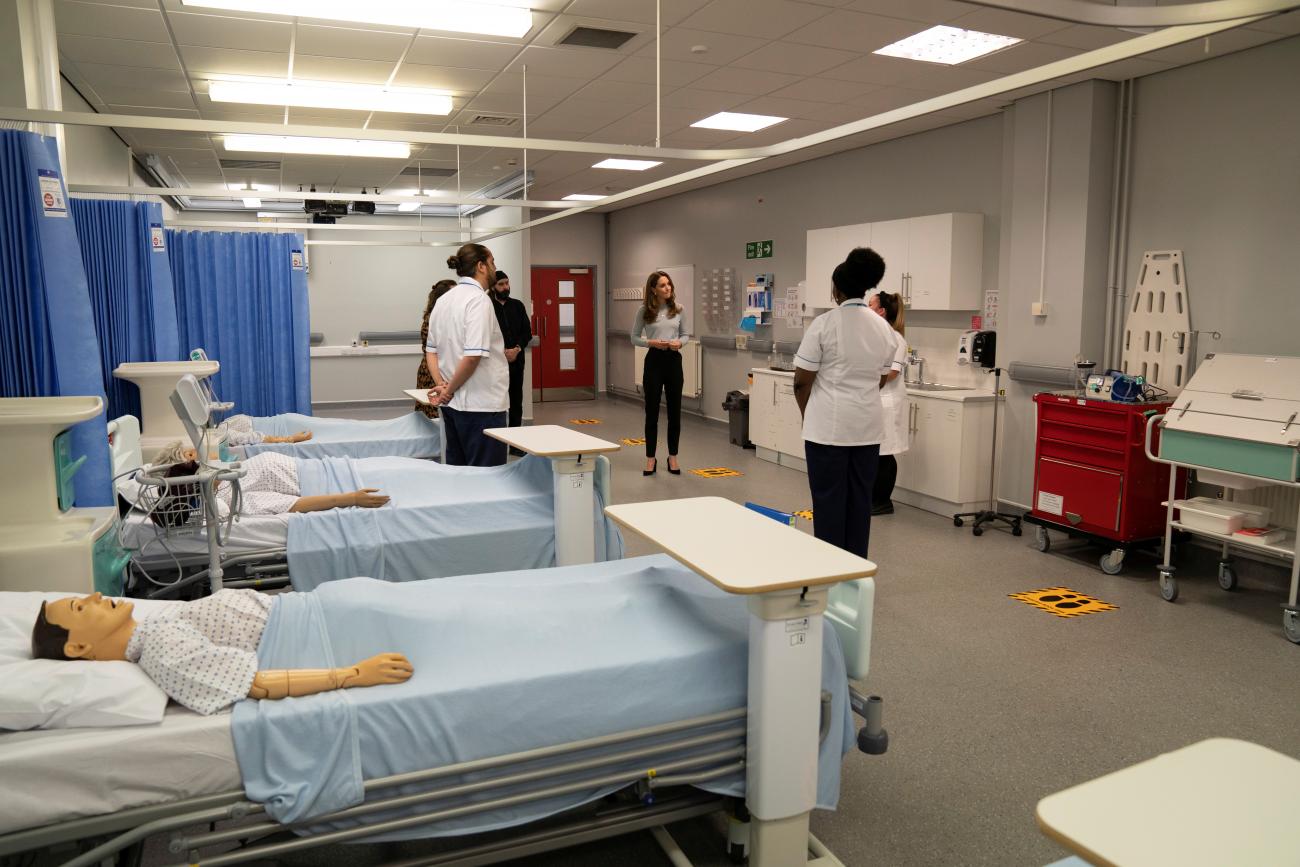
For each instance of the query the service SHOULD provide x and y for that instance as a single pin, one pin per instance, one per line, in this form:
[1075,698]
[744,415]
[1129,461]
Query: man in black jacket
[517,330]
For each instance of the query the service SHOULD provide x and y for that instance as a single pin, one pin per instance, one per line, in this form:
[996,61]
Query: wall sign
[52,200]
[758,249]
[157,238]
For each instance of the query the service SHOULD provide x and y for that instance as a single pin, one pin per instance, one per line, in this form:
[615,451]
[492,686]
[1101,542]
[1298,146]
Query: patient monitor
[47,543]
[159,426]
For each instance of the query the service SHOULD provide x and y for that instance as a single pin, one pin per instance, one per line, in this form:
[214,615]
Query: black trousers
[517,391]
[841,479]
[882,493]
[662,373]
[467,445]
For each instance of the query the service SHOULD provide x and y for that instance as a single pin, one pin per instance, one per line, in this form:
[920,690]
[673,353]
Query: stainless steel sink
[934,386]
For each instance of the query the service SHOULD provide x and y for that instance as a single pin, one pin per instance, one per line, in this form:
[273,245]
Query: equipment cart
[1237,423]
[1091,478]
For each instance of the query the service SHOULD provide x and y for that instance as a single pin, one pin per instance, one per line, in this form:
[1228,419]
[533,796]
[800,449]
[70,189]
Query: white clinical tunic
[849,348]
[893,399]
[464,323]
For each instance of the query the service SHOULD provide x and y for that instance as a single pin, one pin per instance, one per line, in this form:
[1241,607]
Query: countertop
[960,396]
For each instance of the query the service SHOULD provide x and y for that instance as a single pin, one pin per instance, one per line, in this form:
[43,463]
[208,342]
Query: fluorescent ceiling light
[459,16]
[275,215]
[950,45]
[280,144]
[739,122]
[407,207]
[324,94]
[582,197]
[241,187]
[252,203]
[627,165]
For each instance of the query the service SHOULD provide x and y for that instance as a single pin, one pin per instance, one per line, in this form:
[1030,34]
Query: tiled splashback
[938,346]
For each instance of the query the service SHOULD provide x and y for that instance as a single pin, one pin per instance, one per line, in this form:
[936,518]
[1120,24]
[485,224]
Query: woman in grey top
[660,327]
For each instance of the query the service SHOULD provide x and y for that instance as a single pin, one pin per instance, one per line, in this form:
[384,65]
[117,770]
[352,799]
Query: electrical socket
[1038,308]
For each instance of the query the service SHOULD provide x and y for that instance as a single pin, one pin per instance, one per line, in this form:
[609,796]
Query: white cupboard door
[762,411]
[790,435]
[943,439]
[931,261]
[826,249]
[890,240]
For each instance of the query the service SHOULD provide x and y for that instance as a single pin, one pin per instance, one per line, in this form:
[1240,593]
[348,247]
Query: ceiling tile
[707,102]
[467,53]
[618,91]
[749,81]
[1022,56]
[693,137]
[771,19]
[639,126]
[562,25]
[875,69]
[235,111]
[1085,37]
[928,11]
[577,116]
[110,22]
[450,80]
[227,61]
[120,108]
[794,128]
[348,42]
[509,103]
[118,52]
[1219,44]
[219,31]
[1288,23]
[1005,23]
[854,31]
[671,12]
[1134,67]
[341,69]
[538,85]
[888,99]
[565,62]
[794,59]
[823,90]
[156,138]
[642,70]
[946,79]
[99,75]
[140,96]
[721,48]
[801,108]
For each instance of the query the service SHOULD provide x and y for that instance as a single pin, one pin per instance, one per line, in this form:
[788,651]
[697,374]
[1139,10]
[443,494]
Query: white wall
[95,155]
[578,240]
[956,168]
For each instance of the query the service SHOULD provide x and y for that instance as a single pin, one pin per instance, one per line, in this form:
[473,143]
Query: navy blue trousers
[841,479]
[467,445]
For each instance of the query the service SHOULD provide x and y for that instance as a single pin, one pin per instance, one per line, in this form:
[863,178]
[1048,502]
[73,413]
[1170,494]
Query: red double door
[564,320]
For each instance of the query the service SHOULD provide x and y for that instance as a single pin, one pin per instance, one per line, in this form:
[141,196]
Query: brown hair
[892,304]
[651,298]
[48,639]
[438,290]
[467,258]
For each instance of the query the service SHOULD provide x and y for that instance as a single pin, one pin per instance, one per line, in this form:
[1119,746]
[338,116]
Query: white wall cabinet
[947,463]
[934,262]
[775,426]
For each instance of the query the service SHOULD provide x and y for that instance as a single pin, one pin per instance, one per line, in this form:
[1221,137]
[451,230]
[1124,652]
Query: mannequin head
[86,627]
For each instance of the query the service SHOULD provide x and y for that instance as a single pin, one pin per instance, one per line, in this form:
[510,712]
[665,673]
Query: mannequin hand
[368,498]
[380,669]
[300,437]
[512,353]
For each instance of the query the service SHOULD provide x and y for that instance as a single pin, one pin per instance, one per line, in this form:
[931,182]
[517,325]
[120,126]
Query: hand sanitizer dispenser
[965,346]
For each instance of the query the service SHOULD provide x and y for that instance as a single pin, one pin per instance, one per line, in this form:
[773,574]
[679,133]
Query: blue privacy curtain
[48,345]
[242,296]
[122,248]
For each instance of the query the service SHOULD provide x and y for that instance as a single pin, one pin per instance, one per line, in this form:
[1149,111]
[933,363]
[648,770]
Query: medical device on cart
[157,380]
[47,543]
[1237,423]
[1092,477]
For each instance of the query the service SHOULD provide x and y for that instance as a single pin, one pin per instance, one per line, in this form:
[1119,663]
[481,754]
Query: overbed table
[787,575]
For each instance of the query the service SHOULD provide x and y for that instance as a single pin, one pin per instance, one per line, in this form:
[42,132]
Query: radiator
[692,368]
[1282,500]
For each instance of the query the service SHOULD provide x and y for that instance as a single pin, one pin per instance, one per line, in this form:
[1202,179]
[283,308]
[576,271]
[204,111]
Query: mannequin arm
[300,437]
[380,669]
[366,498]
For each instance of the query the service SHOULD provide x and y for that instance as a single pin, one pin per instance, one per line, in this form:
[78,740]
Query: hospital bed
[442,521]
[673,742]
[413,435]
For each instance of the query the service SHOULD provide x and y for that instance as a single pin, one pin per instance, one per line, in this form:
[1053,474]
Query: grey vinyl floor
[990,703]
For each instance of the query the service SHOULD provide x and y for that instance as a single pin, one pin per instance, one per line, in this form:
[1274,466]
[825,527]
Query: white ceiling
[809,60]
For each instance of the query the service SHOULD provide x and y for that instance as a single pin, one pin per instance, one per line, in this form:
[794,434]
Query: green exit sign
[758,250]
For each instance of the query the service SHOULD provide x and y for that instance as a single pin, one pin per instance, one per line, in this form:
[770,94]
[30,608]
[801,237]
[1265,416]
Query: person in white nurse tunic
[893,399]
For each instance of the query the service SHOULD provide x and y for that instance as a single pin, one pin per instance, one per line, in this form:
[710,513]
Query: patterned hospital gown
[269,486]
[239,431]
[203,654]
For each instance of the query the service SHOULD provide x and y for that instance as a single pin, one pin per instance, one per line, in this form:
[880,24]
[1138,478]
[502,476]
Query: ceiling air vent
[492,120]
[252,165]
[426,172]
[595,37]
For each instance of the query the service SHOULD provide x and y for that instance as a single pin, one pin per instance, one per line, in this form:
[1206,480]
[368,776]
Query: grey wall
[578,240]
[95,155]
[956,168]
[1216,174]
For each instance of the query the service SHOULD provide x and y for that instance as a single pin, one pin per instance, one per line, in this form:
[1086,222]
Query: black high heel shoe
[652,470]
[676,472]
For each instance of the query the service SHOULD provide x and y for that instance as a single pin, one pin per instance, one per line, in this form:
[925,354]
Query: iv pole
[991,515]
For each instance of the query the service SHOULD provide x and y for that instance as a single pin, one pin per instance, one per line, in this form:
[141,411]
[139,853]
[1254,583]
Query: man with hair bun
[842,363]
[465,353]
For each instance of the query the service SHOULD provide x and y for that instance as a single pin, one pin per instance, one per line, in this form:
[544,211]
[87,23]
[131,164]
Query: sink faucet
[914,362]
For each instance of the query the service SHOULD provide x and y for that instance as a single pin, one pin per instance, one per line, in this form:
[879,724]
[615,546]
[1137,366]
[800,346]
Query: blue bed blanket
[503,663]
[440,521]
[409,436]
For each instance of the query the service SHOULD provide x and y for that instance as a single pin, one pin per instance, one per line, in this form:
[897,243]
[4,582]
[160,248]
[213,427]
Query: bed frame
[661,789]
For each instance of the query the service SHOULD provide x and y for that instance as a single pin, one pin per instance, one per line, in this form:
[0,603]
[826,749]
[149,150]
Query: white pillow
[56,694]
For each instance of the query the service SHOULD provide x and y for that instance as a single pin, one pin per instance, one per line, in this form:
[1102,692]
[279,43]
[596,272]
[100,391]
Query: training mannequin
[239,432]
[203,654]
